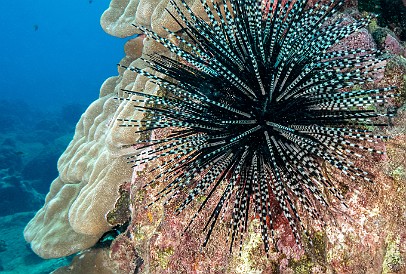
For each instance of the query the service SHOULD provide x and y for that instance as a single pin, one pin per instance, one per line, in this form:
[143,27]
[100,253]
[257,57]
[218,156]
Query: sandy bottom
[16,256]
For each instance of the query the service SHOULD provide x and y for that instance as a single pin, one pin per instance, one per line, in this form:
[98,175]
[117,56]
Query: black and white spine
[257,101]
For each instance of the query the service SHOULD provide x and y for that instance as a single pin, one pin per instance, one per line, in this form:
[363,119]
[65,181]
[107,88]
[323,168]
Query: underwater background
[53,62]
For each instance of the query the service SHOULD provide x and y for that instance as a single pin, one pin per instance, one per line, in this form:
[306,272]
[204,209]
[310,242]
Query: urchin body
[256,99]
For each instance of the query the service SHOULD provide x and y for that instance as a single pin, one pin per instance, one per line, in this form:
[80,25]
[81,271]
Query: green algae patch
[121,212]
[302,266]
[393,260]
[248,261]
[399,173]
[319,247]
[164,256]
[316,256]
[373,26]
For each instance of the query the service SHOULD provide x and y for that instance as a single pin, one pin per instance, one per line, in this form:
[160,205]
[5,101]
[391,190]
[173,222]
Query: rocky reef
[96,206]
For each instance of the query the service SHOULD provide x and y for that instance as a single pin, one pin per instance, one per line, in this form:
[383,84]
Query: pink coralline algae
[392,45]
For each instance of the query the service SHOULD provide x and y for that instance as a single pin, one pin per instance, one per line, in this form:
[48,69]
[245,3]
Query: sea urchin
[257,101]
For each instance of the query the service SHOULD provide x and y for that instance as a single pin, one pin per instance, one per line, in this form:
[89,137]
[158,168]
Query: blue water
[55,52]
[54,56]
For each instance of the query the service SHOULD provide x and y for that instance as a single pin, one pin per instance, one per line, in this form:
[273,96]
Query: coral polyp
[257,100]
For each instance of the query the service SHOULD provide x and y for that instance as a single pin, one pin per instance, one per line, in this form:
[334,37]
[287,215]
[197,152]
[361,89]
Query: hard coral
[90,173]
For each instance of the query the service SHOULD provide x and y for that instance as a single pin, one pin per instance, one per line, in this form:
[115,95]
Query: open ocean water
[54,56]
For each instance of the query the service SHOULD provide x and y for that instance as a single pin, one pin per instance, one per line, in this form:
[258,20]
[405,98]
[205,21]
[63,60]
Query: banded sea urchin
[257,101]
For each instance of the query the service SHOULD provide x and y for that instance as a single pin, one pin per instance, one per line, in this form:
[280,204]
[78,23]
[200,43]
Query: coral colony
[257,103]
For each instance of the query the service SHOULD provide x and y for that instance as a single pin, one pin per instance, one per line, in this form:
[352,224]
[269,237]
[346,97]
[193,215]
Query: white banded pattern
[256,101]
